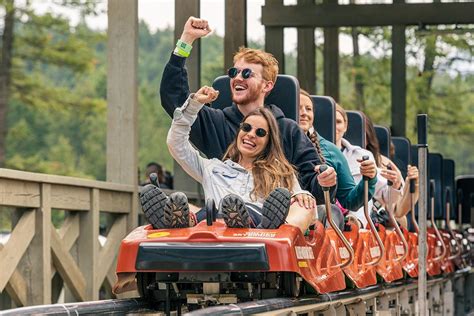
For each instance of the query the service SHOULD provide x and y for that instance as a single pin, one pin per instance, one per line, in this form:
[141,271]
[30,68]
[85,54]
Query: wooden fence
[39,258]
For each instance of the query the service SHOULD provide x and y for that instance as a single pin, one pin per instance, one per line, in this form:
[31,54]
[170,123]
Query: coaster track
[398,297]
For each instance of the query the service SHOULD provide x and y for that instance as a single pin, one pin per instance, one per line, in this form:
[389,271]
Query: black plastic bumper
[202,257]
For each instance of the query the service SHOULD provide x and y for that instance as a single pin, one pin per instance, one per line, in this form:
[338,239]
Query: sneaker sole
[179,209]
[234,212]
[275,209]
[154,202]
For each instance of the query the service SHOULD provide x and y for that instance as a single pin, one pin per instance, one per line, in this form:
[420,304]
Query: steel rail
[321,302]
[313,303]
[110,307]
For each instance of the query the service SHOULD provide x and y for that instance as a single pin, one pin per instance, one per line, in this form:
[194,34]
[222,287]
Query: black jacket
[215,129]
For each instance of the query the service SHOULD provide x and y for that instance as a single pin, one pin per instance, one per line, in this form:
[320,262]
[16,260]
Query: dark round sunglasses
[233,72]
[246,127]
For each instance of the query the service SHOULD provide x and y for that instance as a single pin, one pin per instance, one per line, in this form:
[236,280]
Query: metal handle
[154,179]
[448,225]
[412,203]
[400,235]
[333,225]
[373,230]
[391,215]
[459,201]
[433,224]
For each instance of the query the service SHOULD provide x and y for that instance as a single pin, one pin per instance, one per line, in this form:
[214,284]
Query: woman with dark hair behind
[389,170]
[254,185]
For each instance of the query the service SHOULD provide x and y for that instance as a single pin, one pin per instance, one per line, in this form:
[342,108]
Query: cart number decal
[344,253]
[304,252]
[399,250]
[375,252]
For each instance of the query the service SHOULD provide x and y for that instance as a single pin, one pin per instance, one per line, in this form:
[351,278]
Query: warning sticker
[344,253]
[304,252]
[375,252]
[399,250]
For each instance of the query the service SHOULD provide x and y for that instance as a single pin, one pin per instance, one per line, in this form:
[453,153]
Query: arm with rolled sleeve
[178,139]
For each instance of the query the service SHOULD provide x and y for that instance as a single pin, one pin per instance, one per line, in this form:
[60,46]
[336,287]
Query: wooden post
[306,67]
[122,117]
[40,251]
[274,43]
[399,84]
[331,59]
[235,29]
[331,62]
[88,246]
[187,8]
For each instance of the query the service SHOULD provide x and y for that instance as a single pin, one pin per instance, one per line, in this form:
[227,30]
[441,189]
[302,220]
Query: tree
[32,42]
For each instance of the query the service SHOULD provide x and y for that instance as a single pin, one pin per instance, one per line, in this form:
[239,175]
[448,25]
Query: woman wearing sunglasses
[254,184]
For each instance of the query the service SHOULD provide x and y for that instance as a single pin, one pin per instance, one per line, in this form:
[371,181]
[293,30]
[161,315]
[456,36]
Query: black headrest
[402,153]
[449,186]
[325,116]
[465,196]
[355,133]
[435,167]
[285,94]
[383,136]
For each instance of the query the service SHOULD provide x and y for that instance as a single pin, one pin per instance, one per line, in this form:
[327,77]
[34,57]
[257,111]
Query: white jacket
[382,190]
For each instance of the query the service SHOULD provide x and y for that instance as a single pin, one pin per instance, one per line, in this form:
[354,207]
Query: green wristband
[180,52]
[183,47]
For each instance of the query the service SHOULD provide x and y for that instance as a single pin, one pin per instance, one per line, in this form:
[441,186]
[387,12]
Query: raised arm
[178,135]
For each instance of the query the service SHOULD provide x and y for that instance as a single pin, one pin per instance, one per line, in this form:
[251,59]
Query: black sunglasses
[246,127]
[233,72]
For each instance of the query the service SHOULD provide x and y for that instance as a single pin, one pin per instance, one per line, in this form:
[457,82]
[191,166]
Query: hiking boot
[275,209]
[179,208]
[153,202]
[234,212]
[162,211]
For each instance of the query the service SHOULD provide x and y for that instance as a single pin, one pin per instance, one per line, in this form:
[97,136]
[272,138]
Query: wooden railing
[38,258]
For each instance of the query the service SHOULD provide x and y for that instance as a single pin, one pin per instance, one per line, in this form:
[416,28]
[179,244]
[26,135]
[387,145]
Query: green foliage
[433,87]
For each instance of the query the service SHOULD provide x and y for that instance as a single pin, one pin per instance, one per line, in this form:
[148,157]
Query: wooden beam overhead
[235,29]
[327,15]
[274,43]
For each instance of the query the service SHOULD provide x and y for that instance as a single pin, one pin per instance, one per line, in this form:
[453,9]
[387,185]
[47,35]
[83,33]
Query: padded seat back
[449,194]
[383,136]
[355,133]
[465,192]
[402,153]
[435,167]
[324,109]
[285,94]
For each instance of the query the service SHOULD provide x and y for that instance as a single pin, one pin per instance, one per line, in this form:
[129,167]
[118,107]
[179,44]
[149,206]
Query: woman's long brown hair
[372,143]
[270,169]
[314,137]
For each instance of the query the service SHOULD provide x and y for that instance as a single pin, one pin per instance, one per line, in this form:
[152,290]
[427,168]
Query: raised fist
[193,29]
[206,95]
